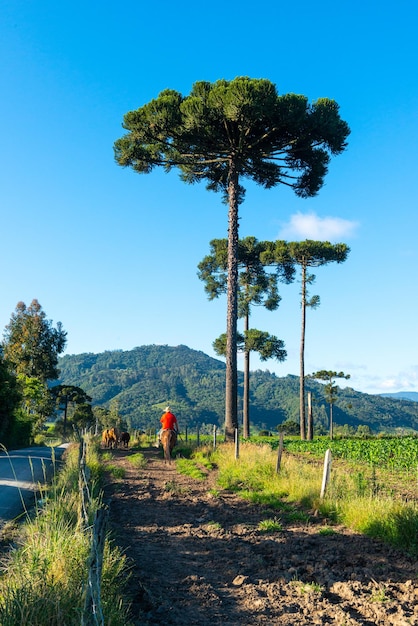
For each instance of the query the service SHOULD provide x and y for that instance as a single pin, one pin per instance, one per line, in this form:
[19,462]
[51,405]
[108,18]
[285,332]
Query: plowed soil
[198,557]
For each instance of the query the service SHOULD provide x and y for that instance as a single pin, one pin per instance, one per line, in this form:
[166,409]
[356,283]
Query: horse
[168,440]
[109,439]
[124,439]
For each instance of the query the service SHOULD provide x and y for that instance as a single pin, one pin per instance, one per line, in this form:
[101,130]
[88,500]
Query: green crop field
[395,453]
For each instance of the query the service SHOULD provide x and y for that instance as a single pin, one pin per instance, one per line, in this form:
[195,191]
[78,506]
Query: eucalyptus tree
[225,132]
[330,389]
[31,344]
[307,254]
[256,286]
[31,347]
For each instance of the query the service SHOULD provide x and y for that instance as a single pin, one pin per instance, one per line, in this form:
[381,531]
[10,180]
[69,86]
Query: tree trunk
[231,387]
[331,422]
[246,399]
[310,418]
[302,359]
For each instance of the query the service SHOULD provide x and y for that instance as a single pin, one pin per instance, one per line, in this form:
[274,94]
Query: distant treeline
[139,383]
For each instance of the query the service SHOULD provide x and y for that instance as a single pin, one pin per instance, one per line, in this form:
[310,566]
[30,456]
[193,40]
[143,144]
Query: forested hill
[402,395]
[140,382]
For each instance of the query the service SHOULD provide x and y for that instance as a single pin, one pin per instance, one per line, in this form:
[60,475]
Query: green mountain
[402,395]
[142,381]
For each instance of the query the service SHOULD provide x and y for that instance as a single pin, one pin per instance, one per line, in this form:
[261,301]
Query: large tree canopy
[270,138]
[225,132]
[31,343]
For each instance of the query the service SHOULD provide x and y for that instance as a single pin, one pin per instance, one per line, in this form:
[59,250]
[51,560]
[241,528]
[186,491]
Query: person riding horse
[168,422]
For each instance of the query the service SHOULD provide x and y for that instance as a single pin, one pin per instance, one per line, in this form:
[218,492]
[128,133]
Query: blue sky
[113,255]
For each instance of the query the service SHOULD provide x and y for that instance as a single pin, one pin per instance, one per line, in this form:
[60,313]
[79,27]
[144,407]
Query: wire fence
[92,611]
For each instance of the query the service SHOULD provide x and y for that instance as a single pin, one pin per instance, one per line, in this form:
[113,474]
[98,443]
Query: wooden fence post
[326,474]
[236,444]
[93,613]
[279,454]
[83,485]
[214,437]
[198,437]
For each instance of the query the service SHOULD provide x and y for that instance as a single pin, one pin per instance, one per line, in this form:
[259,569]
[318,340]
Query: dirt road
[198,557]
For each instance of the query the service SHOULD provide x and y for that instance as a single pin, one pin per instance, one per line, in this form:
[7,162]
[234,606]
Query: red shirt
[168,420]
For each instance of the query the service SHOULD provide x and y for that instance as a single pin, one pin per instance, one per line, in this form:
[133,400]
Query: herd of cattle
[111,438]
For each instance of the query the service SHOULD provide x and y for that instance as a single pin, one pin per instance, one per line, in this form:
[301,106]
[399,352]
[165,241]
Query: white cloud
[403,381]
[310,226]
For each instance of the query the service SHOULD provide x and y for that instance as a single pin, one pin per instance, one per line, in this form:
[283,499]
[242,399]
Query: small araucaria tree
[330,389]
[75,398]
[226,132]
[311,254]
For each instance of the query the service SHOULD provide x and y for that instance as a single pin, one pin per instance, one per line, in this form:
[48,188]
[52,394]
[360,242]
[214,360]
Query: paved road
[21,473]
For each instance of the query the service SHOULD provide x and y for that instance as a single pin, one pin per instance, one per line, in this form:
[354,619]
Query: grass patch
[307,588]
[393,521]
[327,531]
[203,458]
[298,516]
[270,525]
[172,486]
[189,468]
[379,595]
[115,470]
[138,460]
[214,525]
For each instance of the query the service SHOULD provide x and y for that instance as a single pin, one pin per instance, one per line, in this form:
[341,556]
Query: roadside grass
[353,499]
[43,579]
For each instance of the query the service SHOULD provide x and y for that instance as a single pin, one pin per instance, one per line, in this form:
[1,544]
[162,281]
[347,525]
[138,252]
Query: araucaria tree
[226,132]
[66,396]
[330,389]
[311,254]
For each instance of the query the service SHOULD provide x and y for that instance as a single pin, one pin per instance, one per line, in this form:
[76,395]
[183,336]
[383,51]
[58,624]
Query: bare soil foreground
[199,558]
